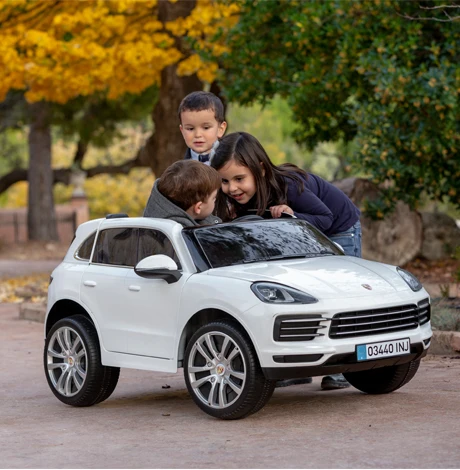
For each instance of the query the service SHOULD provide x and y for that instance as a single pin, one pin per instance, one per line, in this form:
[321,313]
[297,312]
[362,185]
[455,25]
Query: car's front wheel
[384,379]
[72,361]
[222,372]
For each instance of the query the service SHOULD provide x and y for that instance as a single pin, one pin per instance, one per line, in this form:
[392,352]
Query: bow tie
[203,158]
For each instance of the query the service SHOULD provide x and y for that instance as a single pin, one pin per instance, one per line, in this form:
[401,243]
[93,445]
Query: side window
[153,242]
[116,246]
[84,252]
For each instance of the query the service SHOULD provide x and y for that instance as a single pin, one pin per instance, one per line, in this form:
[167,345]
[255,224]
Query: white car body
[145,323]
[141,322]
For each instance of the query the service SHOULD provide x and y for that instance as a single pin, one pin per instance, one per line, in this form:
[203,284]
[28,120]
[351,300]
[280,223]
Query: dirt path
[143,425]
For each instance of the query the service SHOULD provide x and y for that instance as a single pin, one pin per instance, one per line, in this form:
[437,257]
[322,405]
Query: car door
[154,303]
[103,287]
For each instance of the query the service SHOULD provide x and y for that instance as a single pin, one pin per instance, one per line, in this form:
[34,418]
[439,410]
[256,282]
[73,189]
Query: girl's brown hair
[271,186]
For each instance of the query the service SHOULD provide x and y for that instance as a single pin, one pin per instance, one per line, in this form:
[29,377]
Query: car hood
[329,276]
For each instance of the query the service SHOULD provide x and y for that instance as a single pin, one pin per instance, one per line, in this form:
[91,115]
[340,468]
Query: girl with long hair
[250,181]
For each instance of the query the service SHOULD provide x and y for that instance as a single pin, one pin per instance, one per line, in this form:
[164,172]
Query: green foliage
[13,150]
[359,71]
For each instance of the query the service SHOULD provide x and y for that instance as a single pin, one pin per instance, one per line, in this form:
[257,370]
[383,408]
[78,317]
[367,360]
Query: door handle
[90,283]
[135,288]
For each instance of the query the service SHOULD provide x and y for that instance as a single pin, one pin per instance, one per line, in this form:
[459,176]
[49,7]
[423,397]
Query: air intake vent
[424,311]
[298,327]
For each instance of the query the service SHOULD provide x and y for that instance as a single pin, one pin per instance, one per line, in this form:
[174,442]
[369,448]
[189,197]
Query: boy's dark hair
[187,182]
[201,101]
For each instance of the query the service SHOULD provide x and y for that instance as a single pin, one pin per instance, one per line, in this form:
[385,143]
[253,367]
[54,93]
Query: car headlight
[272,293]
[410,279]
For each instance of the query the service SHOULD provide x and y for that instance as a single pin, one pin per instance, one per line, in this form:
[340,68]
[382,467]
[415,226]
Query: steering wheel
[266,215]
[247,218]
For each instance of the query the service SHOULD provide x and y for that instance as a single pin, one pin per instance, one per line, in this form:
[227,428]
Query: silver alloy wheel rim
[67,361]
[216,370]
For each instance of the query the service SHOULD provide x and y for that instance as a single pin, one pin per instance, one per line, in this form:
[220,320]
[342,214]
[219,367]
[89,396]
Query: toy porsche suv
[237,306]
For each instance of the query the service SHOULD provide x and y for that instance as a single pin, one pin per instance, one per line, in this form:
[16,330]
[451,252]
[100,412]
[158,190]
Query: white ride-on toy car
[237,305]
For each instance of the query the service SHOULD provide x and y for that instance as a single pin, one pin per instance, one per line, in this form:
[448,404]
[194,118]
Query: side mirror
[339,246]
[158,267]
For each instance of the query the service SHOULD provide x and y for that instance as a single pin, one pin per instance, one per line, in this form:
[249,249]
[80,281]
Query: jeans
[350,240]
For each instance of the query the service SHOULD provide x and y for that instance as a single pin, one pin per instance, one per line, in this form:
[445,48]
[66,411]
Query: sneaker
[334,382]
[289,382]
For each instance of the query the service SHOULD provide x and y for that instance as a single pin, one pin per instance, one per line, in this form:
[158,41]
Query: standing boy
[202,123]
[185,193]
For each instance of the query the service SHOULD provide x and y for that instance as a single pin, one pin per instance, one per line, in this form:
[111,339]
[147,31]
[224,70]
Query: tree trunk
[397,239]
[41,216]
[167,145]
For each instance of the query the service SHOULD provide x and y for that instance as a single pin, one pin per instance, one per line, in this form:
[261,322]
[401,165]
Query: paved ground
[143,425]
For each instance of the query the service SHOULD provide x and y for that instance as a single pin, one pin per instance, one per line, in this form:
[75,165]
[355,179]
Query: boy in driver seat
[185,193]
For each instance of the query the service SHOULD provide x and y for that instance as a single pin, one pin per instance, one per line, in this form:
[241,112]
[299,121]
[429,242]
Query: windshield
[250,242]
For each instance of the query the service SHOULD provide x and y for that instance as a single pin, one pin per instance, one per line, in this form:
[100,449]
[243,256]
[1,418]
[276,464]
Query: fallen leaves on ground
[24,289]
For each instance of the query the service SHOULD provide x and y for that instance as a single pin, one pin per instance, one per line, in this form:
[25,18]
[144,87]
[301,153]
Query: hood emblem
[367,286]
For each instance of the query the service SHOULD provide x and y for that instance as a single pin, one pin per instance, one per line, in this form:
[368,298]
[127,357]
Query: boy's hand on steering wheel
[276,211]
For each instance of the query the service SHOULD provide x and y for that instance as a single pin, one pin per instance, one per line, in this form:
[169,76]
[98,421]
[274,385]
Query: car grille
[298,327]
[381,320]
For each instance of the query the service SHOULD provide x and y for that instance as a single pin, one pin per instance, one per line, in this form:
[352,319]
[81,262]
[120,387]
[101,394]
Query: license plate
[370,351]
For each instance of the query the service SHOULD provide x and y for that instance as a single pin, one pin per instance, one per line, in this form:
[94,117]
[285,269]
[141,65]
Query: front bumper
[324,355]
[340,363]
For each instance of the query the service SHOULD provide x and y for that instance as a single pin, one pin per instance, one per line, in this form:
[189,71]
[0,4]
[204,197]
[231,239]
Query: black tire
[72,362]
[267,392]
[222,372]
[383,379]
[109,383]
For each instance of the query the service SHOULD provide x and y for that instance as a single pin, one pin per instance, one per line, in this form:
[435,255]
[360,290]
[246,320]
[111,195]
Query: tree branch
[18,174]
[419,18]
[124,168]
[440,6]
[62,175]
[82,147]
[430,18]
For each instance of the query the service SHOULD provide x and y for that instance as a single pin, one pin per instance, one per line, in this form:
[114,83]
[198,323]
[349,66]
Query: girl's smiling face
[238,182]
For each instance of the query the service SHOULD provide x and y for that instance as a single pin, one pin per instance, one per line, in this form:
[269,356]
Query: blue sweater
[322,204]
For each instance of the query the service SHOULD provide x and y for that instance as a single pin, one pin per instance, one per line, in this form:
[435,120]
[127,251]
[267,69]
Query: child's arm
[309,207]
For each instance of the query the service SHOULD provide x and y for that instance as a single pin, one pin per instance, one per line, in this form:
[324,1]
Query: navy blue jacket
[322,204]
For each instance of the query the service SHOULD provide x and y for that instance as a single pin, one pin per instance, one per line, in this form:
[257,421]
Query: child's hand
[278,210]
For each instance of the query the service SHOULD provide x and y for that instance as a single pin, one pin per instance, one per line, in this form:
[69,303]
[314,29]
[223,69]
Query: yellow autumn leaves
[31,288]
[59,50]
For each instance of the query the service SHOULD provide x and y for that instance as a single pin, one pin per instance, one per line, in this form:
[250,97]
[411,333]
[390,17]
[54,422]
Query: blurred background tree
[60,51]
[339,88]
[361,72]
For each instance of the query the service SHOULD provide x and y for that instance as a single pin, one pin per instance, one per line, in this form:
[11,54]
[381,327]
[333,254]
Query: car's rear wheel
[72,361]
[384,379]
[222,372]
